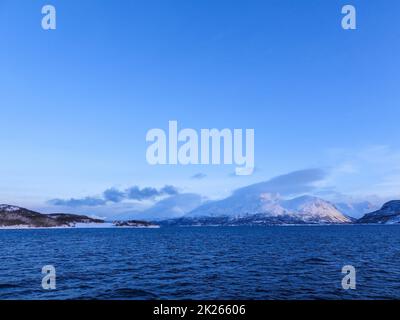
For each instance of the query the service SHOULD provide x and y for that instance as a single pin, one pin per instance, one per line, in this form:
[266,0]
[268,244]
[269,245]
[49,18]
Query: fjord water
[287,262]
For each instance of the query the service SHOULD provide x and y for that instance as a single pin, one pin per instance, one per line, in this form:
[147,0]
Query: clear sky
[76,102]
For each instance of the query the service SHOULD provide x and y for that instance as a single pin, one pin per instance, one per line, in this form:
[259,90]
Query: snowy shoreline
[105,225]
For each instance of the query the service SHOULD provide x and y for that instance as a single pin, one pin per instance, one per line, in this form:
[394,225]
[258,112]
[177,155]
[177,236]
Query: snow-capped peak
[8,208]
[313,208]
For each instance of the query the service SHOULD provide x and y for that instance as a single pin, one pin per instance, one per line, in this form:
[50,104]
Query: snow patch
[8,208]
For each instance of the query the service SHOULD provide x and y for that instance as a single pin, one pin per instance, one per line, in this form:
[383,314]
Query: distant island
[15,217]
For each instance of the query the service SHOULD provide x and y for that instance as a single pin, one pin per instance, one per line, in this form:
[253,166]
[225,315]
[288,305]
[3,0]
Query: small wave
[315,260]
[126,293]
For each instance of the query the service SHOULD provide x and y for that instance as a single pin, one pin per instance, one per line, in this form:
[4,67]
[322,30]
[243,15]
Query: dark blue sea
[296,262]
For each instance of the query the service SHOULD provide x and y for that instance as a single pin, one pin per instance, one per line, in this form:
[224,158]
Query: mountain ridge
[389,213]
[262,209]
[18,217]
[269,208]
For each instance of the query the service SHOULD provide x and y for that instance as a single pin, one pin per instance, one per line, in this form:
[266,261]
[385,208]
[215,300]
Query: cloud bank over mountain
[296,182]
[169,202]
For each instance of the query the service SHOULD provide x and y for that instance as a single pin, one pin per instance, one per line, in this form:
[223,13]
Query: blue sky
[76,102]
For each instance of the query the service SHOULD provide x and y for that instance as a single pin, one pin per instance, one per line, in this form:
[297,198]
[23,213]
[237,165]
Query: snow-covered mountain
[17,218]
[11,216]
[239,205]
[388,214]
[313,209]
[250,206]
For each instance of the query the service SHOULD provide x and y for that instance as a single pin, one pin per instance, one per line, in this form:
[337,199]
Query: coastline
[111,226]
[106,225]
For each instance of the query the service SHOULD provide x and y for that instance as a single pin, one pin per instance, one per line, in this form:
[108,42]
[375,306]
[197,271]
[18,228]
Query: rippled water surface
[302,262]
